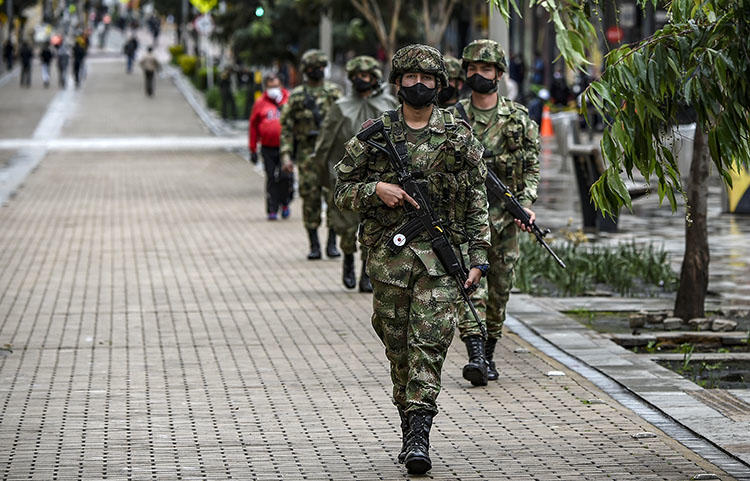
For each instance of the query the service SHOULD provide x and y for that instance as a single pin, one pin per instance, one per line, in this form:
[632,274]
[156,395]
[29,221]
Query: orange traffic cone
[546,129]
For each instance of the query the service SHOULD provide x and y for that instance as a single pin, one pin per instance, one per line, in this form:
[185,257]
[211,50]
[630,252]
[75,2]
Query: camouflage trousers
[345,224]
[312,192]
[416,327]
[492,296]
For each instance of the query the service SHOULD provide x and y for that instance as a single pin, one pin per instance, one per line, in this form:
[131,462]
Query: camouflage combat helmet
[314,58]
[419,58]
[364,63]
[487,51]
[454,68]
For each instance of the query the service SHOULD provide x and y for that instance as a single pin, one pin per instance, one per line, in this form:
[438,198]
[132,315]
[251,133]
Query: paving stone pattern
[161,329]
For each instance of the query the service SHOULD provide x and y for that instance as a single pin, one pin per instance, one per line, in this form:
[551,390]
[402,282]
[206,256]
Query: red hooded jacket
[265,123]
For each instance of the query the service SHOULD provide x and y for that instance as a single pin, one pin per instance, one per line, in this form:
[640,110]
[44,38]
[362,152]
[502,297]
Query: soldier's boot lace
[404,434]
[349,277]
[489,351]
[331,249]
[476,369]
[364,280]
[314,244]
[417,457]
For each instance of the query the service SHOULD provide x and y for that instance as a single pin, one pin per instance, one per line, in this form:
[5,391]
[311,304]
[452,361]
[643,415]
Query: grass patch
[626,269]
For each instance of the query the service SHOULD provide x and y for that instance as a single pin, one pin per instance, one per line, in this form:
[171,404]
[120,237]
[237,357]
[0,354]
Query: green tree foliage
[700,60]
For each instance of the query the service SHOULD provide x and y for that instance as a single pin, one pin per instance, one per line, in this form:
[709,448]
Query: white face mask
[275,94]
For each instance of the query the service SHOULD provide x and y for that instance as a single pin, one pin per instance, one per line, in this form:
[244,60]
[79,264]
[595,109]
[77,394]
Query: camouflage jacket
[298,127]
[341,124]
[450,161]
[513,140]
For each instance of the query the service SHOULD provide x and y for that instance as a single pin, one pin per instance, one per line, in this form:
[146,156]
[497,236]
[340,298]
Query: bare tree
[436,19]
[372,13]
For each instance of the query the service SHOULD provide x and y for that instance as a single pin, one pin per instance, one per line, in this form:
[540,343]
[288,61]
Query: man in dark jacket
[265,125]
[46,57]
[26,54]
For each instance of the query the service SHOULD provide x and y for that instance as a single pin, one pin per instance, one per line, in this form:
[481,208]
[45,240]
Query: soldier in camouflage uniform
[450,94]
[342,122]
[300,123]
[415,301]
[511,142]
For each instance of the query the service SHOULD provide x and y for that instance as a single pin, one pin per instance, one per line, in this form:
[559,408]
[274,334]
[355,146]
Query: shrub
[175,51]
[213,98]
[201,78]
[188,64]
[627,269]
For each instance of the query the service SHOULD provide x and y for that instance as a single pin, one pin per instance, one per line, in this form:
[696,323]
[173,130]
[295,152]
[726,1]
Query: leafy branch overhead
[700,61]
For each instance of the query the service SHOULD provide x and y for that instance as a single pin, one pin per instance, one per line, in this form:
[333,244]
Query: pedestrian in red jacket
[266,128]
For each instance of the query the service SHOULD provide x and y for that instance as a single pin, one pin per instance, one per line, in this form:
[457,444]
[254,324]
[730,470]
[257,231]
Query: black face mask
[447,93]
[418,95]
[361,85]
[481,84]
[315,73]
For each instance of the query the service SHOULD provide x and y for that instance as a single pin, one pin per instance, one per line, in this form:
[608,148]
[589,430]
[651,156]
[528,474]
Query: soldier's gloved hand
[393,195]
[473,278]
[532,218]
[254,158]
[286,163]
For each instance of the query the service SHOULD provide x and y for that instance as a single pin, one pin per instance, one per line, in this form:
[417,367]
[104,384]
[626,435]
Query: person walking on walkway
[130,49]
[265,125]
[79,56]
[228,105]
[150,66]
[26,55]
[414,298]
[511,142]
[63,58]
[9,54]
[367,100]
[46,57]
[301,118]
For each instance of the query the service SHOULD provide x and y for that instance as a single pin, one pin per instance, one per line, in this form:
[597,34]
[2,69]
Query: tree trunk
[691,296]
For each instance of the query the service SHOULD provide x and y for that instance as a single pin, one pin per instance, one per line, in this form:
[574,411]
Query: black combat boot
[349,277]
[404,434]
[476,370]
[364,280]
[489,350]
[331,249]
[314,244]
[417,457]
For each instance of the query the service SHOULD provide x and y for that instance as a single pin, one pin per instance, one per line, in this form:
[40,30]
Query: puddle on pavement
[723,374]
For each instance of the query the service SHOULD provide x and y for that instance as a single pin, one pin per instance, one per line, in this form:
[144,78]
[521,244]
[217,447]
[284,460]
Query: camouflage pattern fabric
[418,58]
[340,124]
[364,63]
[487,51]
[513,139]
[454,68]
[313,58]
[298,135]
[414,300]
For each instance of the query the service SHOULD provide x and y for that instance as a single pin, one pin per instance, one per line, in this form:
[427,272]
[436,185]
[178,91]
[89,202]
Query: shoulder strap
[462,112]
[448,120]
[397,132]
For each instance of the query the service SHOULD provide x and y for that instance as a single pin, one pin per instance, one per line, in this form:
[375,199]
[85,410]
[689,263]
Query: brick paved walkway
[157,327]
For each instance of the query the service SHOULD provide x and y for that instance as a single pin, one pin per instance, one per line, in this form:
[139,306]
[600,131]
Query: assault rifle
[423,219]
[310,104]
[496,187]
